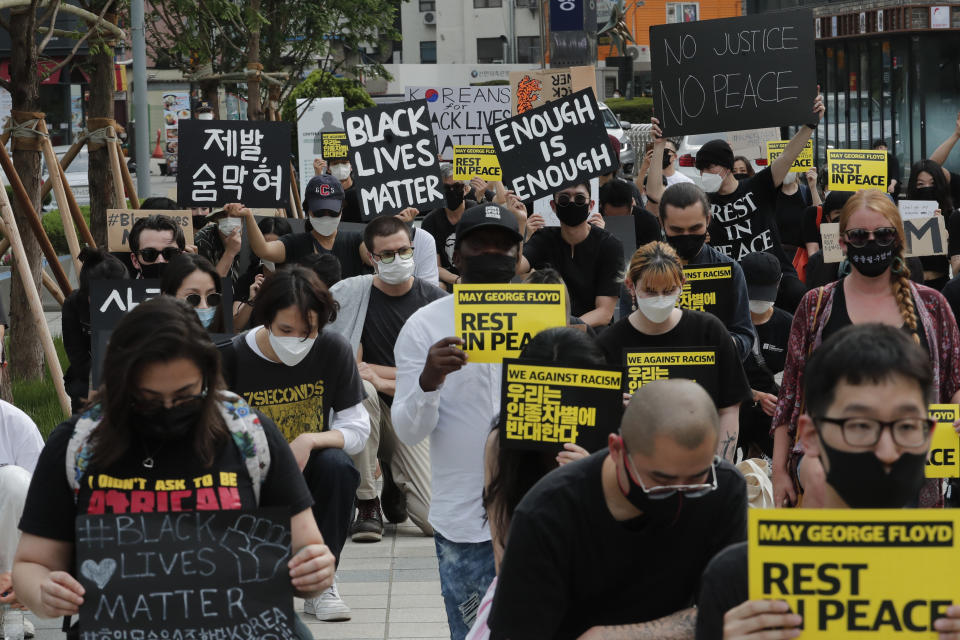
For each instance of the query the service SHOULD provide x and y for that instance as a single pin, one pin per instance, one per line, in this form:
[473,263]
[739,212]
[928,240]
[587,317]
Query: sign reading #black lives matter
[225,161]
[202,574]
[394,158]
[734,73]
[552,147]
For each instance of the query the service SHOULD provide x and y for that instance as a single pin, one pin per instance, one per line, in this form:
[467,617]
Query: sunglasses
[150,254]
[389,255]
[194,299]
[153,407]
[884,236]
[580,199]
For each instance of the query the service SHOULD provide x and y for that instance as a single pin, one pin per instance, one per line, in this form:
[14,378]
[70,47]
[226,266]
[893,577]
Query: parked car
[751,143]
[76,174]
[628,154]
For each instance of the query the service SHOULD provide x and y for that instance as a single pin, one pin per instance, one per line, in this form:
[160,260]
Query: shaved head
[679,409]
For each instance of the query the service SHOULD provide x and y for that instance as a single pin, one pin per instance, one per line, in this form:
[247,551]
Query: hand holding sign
[60,595]
[761,619]
[443,358]
[312,568]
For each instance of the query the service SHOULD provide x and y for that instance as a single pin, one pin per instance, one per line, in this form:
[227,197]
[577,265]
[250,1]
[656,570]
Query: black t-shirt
[953,233]
[351,211]
[840,318]
[695,329]
[444,233]
[809,229]
[790,216]
[951,291]
[745,221]
[646,225]
[724,586]
[772,338]
[75,323]
[592,270]
[569,565]
[346,247]
[167,487]
[386,315]
[955,188]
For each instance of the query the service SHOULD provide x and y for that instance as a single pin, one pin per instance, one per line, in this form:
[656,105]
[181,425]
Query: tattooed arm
[729,432]
[676,626]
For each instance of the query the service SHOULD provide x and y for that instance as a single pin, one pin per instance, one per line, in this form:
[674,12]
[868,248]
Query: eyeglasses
[150,254]
[661,492]
[387,256]
[865,432]
[564,199]
[150,407]
[194,299]
[884,236]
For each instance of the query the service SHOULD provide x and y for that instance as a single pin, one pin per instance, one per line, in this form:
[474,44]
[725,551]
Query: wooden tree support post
[128,181]
[68,230]
[112,143]
[75,212]
[295,193]
[51,286]
[65,161]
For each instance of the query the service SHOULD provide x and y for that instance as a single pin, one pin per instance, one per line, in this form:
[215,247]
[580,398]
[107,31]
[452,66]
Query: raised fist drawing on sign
[260,547]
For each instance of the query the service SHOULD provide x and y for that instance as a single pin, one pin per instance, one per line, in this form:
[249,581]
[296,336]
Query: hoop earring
[896,267]
[845,268]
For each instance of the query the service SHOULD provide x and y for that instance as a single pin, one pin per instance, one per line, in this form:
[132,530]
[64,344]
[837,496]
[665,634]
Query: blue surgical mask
[206,316]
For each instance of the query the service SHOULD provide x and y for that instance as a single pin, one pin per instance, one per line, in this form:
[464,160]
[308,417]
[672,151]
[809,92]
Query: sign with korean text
[734,73]
[120,222]
[225,161]
[910,209]
[461,115]
[709,289]
[944,460]
[334,145]
[830,235]
[546,149]
[197,574]
[394,158]
[643,365]
[802,164]
[476,161]
[315,117]
[543,406]
[496,321]
[855,169]
[924,236]
[856,573]
[532,89]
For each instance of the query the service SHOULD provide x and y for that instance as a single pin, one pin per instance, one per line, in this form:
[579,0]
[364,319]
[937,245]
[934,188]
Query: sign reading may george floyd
[394,158]
[855,169]
[856,573]
[225,161]
[544,406]
[734,73]
[944,460]
[202,574]
[546,149]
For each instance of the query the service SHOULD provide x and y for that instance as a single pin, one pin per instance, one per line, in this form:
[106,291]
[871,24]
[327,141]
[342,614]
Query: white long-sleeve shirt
[425,257]
[457,417]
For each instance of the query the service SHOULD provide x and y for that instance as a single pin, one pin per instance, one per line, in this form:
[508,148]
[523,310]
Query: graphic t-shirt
[772,337]
[346,247]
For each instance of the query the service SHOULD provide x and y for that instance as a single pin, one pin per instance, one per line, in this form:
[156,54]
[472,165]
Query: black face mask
[573,214]
[740,176]
[171,423]
[153,271]
[454,196]
[667,159]
[925,193]
[862,482]
[687,246]
[662,512]
[871,259]
[488,268]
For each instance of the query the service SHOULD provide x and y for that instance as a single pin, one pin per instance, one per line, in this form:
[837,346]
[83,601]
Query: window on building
[428,52]
[428,5]
[486,4]
[489,50]
[528,49]
[683,12]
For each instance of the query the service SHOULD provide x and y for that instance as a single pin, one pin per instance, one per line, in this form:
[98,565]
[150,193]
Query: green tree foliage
[322,84]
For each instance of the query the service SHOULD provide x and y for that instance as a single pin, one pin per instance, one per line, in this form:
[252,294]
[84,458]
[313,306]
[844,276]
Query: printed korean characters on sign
[460,116]
[476,161]
[334,145]
[944,460]
[120,222]
[203,574]
[394,158]
[532,89]
[555,146]
[856,169]
[650,364]
[543,406]
[708,289]
[496,321]
[856,573]
[225,161]
[802,164]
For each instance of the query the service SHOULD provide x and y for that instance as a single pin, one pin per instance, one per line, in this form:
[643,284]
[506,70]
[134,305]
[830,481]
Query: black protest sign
[734,73]
[647,364]
[225,161]
[543,406]
[709,289]
[554,146]
[200,574]
[394,158]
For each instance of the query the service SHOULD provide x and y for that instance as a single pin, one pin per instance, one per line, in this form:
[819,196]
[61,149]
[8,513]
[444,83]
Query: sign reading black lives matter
[394,158]
[202,574]
[734,73]
[555,146]
[225,161]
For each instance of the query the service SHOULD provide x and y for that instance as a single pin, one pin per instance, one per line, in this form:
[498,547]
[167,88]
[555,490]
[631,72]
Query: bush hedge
[634,111]
[53,225]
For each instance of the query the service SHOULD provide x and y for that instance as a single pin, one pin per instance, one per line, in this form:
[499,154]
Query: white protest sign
[461,115]
[830,235]
[315,117]
[910,209]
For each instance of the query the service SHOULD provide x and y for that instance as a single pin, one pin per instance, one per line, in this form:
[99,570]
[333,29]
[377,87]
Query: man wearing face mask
[441,396]
[615,544]
[442,224]
[220,244]
[867,390]
[588,258]
[154,242]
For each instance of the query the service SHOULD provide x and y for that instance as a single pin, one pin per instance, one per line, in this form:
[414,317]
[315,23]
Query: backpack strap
[79,450]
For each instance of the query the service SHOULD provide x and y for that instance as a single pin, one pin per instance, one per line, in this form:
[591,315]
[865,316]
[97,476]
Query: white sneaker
[28,629]
[328,606]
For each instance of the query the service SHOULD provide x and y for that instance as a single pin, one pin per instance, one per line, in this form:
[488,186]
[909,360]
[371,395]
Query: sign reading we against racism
[120,222]
[856,573]
[802,164]
[479,161]
[855,169]
[944,460]
[543,406]
[225,161]
[203,574]
[496,321]
[708,289]
[394,158]
[643,365]
[334,145]
[461,115]
[734,73]
[552,147]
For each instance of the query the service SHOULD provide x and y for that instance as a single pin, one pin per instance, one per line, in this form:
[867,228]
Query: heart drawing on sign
[99,572]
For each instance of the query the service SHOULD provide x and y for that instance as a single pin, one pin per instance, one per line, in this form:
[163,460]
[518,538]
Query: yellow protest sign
[856,573]
[334,145]
[944,461]
[645,365]
[120,222]
[496,321]
[855,169]
[803,162]
[475,160]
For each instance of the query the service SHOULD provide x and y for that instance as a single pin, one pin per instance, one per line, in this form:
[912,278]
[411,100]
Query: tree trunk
[254,103]
[102,191]
[209,90]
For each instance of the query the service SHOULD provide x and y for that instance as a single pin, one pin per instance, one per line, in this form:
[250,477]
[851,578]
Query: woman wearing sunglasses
[875,288]
[193,279]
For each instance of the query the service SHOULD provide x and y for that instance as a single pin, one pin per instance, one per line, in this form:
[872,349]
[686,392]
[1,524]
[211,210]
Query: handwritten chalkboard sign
[734,73]
[202,574]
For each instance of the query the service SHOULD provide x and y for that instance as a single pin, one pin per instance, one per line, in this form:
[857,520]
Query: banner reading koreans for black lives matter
[734,73]
[552,147]
[394,157]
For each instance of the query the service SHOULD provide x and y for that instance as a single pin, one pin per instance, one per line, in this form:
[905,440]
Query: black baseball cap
[323,192]
[762,272]
[487,215]
[716,152]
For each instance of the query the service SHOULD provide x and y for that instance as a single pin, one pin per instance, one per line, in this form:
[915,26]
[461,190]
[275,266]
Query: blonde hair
[878,202]
[656,260]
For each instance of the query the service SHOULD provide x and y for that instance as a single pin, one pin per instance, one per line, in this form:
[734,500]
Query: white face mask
[711,182]
[228,225]
[340,171]
[657,308]
[269,264]
[760,306]
[397,271]
[324,225]
[204,116]
[790,178]
[290,349]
